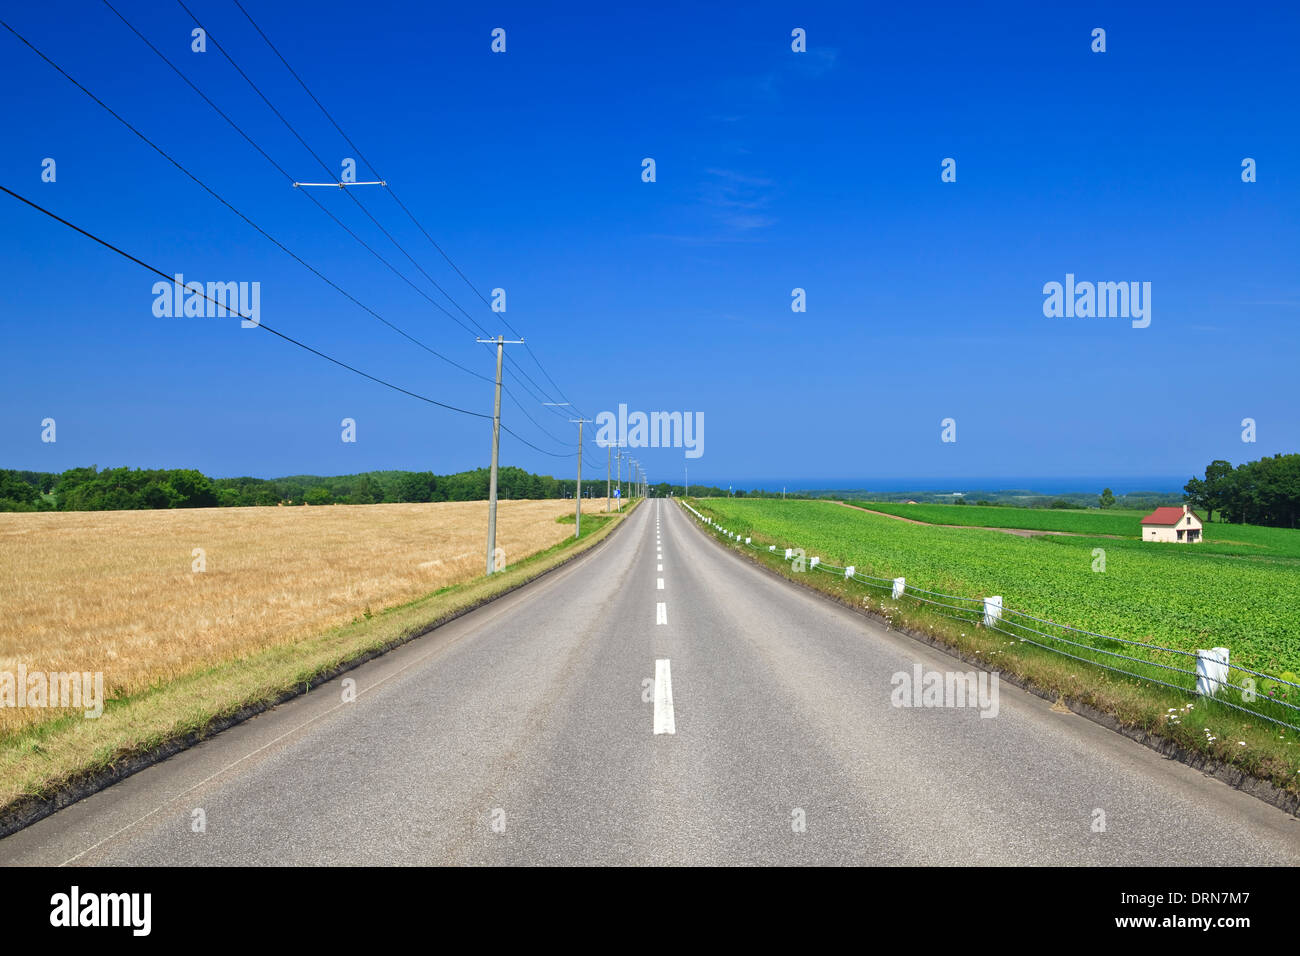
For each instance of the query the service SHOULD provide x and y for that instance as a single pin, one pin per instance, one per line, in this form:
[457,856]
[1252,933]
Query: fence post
[992,610]
[1211,670]
[899,585]
[848,572]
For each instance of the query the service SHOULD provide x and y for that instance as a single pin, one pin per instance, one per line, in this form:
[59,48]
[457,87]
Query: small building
[1172,524]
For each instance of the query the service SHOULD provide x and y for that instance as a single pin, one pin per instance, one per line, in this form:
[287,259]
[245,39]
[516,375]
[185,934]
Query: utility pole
[609,455]
[619,461]
[577,514]
[501,343]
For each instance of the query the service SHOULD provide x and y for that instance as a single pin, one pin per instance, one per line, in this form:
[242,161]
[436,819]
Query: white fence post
[992,610]
[848,572]
[1211,670]
[899,585]
[815,562]
[789,553]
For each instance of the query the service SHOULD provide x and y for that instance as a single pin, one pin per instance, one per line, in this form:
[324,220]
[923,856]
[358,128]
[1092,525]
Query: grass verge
[56,762]
[1195,730]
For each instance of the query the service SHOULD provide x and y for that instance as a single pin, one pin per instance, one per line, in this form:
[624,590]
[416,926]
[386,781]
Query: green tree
[1220,486]
[319,495]
[1107,499]
[159,494]
[1196,495]
[192,489]
[415,486]
[15,489]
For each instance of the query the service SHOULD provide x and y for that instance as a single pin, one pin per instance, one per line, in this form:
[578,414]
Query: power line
[215,195]
[520,406]
[276,332]
[176,163]
[277,166]
[325,166]
[553,454]
[302,345]
[395,197]
[265,99]
[277,243]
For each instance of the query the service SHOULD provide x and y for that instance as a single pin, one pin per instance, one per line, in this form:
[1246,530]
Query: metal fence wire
[1163,666]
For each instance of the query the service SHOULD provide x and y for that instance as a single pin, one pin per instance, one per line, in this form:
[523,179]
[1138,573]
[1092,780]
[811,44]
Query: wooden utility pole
[501,342]
[577,514]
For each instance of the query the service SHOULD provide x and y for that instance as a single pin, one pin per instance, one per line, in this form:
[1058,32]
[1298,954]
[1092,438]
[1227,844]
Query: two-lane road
[659,701]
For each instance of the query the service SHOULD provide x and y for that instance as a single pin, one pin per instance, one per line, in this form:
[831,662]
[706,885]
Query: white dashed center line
[660,585]
[661,613]
[664,723]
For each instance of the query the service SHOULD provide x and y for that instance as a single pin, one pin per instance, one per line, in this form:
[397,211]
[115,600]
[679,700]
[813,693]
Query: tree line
[1263,492]
[133,489]
[664,489]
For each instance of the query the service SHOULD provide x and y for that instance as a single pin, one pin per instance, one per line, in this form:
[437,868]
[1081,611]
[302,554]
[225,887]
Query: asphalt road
[547,728]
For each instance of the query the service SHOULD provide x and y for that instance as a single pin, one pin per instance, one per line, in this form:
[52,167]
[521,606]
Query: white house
[1172,524]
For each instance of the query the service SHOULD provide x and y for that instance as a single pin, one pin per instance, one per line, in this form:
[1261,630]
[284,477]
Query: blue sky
[775,170]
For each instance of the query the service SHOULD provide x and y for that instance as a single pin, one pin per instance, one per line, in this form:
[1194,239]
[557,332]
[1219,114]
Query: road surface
[659,701]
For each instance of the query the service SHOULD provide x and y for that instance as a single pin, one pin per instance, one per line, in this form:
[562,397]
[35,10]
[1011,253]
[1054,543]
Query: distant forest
[1263,492]
[131,489]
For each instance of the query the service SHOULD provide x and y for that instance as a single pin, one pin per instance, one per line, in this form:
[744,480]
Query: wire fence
[1204,674]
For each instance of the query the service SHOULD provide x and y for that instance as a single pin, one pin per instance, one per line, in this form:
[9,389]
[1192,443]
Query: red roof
[1164,516]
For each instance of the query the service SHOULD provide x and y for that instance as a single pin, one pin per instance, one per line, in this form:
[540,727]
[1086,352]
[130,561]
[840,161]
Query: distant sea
[1046,486]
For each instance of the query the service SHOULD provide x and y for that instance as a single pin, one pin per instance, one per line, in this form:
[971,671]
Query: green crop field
[1092,521]
[1236,590]
[1228,539]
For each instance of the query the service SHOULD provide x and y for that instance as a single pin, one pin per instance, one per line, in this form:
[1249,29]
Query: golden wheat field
[117,591]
